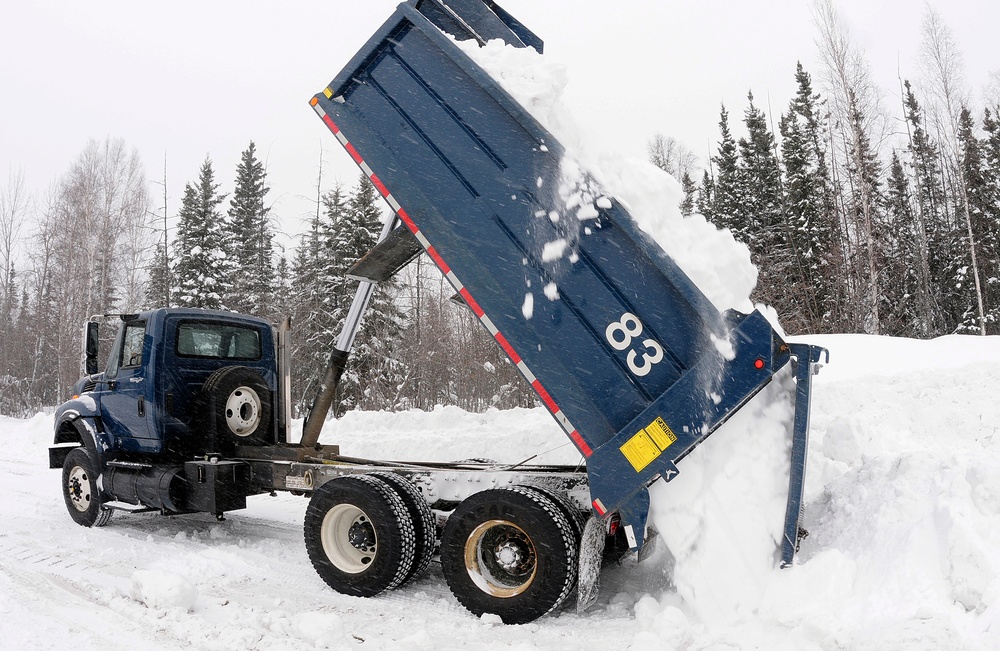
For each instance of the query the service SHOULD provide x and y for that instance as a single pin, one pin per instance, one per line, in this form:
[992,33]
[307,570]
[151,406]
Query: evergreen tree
[900,311]
[373,374]
[202,268]
[314,332]
[984,228]
[726,205]
[249,241]
[706,198]
[811,222]
[158,289]
[762,212]
[690,190]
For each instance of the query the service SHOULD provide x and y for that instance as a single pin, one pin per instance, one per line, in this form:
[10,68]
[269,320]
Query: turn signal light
[758,364]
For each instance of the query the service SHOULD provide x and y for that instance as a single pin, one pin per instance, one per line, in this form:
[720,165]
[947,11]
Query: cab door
[125,404]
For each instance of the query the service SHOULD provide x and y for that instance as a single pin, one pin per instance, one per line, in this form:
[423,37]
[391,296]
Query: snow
[902,505]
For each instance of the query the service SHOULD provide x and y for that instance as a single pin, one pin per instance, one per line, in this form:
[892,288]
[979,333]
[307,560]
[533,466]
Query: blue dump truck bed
[628,359]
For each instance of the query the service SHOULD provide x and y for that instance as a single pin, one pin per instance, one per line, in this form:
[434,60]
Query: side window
[135,332]
[128,348]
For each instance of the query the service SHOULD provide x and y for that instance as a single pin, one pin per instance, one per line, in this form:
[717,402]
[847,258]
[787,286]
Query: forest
[865,210]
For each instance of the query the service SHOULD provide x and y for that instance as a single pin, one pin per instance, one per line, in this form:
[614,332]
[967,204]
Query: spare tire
[237,408]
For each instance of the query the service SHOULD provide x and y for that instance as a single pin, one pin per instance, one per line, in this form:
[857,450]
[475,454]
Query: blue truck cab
[180,385]
[153,398]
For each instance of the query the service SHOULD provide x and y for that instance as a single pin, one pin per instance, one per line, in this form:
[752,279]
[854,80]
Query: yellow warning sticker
[328,92]
[640,450]
[648,443]
[661,433]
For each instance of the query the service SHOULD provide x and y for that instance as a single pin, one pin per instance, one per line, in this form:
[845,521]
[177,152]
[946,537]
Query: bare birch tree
[855,103]
[943,70]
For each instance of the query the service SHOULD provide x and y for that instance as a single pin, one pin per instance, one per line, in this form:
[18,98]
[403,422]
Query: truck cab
[161,390]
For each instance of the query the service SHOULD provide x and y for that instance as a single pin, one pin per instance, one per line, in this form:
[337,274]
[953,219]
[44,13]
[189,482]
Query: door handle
[142,407]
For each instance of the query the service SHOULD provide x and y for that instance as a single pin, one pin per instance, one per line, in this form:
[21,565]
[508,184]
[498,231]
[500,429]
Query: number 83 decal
[620,334]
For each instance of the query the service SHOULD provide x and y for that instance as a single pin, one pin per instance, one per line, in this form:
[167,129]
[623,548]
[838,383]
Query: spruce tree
[249,241]
[690,191]
[726,205]
[900,310]
[762,211]
[202,269]
[158,289]
[373,373]
[984,230]
[811,221]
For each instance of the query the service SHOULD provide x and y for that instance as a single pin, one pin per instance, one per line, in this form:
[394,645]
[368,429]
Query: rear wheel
[80,489]
[511,552]
[424,522]
[359,535]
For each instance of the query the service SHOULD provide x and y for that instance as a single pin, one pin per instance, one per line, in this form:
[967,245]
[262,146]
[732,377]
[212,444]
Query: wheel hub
[349,538]
[243,411]
[361,535]
[78,488]
[501,558]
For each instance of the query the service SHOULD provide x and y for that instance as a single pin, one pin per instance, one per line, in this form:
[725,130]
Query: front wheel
[80,489]
[511,552]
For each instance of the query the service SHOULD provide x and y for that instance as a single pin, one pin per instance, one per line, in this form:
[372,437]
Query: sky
[183,80]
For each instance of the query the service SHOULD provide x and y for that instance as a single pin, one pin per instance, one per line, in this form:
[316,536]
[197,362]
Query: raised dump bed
[632,360]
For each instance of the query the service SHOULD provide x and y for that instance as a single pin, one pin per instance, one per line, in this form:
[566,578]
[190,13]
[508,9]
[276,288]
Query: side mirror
[90,343]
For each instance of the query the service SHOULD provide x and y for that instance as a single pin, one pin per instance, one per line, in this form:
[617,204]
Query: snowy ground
[903,509]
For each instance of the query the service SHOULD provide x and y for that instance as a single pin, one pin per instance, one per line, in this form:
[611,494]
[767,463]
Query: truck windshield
[217,341]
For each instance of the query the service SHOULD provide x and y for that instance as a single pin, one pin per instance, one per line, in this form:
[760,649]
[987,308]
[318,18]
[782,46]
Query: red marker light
[758,364]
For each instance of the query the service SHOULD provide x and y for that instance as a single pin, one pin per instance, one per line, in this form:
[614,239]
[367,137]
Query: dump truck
[635,364]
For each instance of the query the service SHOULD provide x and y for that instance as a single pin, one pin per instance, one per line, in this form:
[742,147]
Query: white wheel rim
[243,411]
[500,558]
[349,539]
[78,488]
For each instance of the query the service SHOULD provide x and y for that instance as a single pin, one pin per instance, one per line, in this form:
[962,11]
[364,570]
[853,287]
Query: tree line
[96,250]
[857,219]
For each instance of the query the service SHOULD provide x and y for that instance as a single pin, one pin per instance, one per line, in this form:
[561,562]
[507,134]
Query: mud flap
[589,568]
[633,514]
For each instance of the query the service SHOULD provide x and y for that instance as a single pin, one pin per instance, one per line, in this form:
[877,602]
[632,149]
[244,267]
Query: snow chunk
[158,589]
[528,308]
[551,291]
[554,250]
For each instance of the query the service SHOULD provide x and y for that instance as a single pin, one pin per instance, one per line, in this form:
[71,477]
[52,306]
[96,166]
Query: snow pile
[160,589]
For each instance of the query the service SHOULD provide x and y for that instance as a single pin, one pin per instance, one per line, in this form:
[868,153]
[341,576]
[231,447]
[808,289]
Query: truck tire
[424,522]
[576,517]
[511,552]
[80,490]
[237,405]
[359,535]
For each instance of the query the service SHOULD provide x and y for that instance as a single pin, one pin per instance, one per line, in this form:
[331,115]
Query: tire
[359,535]
[424,522]
[80,489]
[577,518]
[237,405]
[511,552]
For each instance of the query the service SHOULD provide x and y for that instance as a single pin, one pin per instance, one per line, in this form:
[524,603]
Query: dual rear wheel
[512,551]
